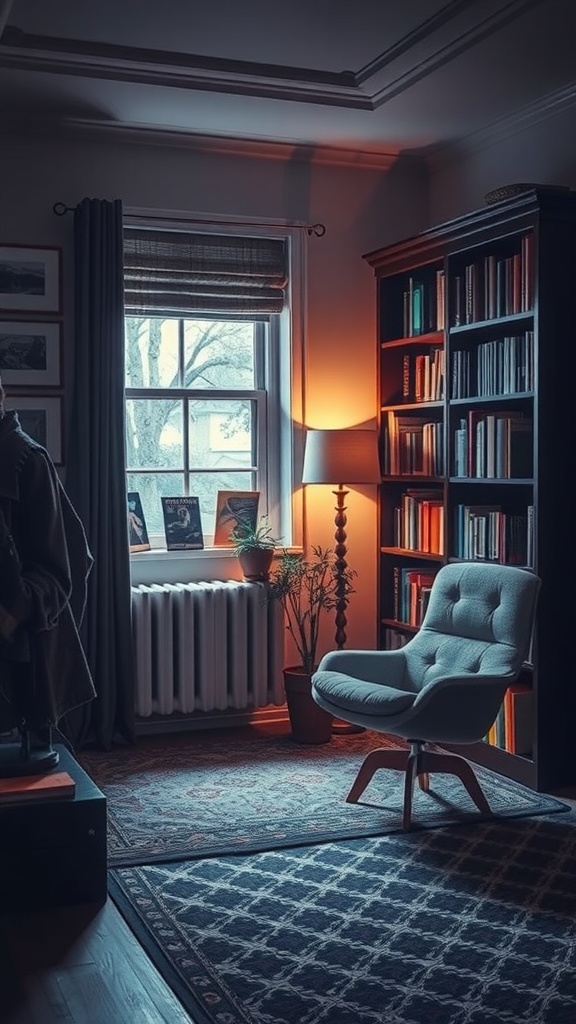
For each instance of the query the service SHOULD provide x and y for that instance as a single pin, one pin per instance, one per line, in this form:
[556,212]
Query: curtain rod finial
[60,209]
[316,229]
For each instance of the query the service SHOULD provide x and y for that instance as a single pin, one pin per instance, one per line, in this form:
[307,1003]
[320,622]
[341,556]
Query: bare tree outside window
[193,402]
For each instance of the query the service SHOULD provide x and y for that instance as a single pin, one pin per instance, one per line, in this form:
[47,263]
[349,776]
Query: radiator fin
[206,646]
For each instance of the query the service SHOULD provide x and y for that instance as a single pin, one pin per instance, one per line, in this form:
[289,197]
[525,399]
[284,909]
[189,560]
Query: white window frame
[284,376]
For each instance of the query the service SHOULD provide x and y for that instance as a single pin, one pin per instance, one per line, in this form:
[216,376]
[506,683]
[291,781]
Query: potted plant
[254,547]
[306,588]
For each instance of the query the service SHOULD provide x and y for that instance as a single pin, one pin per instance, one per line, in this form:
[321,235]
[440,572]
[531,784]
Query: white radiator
[205,647]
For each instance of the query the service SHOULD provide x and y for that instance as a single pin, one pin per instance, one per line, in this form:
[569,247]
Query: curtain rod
[60,209]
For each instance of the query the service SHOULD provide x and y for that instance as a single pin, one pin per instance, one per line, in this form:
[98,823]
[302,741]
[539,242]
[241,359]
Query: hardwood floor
[83,965]
[80,965]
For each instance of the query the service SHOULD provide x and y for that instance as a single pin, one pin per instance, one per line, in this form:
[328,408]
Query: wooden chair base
[418,762]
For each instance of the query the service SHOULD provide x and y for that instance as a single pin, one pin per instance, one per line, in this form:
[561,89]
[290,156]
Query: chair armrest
[371,666]
[459,709]
[452,686]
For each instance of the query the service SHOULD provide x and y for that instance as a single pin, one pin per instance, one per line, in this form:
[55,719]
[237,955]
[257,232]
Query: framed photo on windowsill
[41,418]
[30,354]
[233,508]
[30,279]
[137,529]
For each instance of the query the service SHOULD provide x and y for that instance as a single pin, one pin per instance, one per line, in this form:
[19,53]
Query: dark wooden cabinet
[476,334]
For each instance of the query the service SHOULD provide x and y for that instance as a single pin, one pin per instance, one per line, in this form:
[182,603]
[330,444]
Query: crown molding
[524,119]
[158,135]
[24,52]
[434,42]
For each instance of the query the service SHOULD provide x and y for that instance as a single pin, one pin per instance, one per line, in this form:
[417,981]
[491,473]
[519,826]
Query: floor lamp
[341,457]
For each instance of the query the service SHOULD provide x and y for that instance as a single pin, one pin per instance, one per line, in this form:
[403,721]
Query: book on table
[25,788]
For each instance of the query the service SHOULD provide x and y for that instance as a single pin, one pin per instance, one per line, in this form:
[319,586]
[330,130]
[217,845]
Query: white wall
[362,209]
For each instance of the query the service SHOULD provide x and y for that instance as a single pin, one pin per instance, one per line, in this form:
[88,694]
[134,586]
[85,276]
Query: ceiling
[364,78]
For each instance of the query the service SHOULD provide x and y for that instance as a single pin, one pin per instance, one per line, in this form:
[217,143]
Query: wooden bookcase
[477,334]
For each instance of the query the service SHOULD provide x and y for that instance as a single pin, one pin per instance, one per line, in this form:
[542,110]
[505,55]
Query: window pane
[151,353]
[218,354]
[154,433]
[221,434]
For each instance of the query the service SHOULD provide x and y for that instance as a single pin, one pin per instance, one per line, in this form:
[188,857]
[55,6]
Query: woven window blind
[172,273]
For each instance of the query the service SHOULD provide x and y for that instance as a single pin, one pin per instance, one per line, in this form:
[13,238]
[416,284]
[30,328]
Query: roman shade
[177,273]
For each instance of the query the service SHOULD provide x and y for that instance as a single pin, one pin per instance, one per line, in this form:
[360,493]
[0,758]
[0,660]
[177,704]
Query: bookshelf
[476,322]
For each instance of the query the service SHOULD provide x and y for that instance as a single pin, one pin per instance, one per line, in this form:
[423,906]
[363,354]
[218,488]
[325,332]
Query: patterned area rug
[469,925]
[214,794]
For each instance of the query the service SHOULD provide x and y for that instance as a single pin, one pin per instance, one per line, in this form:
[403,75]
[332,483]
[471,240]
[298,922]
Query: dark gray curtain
[95,472]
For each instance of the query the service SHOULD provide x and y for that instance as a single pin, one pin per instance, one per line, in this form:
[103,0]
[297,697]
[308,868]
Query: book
[182,523]
[232,509]
[137,532]
[20,788]
[519,719]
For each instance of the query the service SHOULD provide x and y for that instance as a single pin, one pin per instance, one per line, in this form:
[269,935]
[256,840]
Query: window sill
[161,566]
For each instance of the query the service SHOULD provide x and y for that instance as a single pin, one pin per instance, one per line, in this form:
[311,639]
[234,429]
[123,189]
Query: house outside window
[208,388]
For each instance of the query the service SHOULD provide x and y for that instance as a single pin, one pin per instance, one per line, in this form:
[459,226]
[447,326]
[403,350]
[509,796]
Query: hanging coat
[44,566]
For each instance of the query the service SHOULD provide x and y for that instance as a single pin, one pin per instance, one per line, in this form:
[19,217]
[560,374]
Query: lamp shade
[341,457]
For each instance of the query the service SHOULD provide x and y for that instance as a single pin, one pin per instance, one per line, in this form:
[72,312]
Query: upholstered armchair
[446,685]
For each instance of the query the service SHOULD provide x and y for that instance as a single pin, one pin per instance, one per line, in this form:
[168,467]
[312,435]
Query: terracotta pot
[309,722]
[255,563]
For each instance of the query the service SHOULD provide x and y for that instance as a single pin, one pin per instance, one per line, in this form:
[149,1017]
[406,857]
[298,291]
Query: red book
[20,788]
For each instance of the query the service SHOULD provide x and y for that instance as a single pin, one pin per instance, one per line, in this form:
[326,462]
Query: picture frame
[30,279]
[232,508]
[41,417]
[182,523]
[31,353]
[138,538]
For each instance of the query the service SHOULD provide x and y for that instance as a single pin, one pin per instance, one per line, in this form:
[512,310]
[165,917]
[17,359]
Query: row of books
[514,725]
[486,532]
[419,522]
[412,445]
[494,286]
[423,305]
[423,376]
[411,593]
[493,368]
[496,445]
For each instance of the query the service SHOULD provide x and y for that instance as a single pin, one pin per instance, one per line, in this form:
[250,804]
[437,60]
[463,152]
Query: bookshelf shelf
[476,335]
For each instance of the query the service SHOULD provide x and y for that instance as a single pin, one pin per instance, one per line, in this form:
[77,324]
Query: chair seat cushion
[350,694]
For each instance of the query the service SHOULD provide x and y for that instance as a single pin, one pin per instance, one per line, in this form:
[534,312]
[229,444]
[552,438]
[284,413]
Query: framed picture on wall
[30,279]
[41,418]
[30,353]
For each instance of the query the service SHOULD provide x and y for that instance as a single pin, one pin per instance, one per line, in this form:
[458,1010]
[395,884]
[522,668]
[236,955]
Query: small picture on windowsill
[234,508]
[182,523]
[137,531]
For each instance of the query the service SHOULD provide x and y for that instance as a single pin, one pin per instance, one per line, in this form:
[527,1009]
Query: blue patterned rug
[468,925]
[205,794]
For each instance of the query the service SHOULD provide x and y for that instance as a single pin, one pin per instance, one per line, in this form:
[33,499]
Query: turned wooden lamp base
[418,762]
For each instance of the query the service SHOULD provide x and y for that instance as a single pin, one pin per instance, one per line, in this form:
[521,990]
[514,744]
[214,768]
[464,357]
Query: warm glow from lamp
[341,457]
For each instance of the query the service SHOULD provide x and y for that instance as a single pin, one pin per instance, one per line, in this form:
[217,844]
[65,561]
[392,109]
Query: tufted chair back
[479,620]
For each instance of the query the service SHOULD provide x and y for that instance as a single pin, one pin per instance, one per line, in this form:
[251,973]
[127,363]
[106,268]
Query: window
[203,372]
[197,411]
